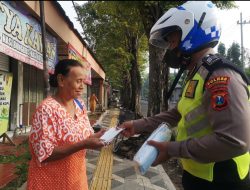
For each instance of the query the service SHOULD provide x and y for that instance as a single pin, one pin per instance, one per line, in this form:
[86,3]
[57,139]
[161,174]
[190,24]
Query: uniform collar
[192,72]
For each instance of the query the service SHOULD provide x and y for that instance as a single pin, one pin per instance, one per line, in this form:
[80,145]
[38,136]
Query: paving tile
[135,184]
[146,188]
[115,183]
[130,184]
[89,172]
[126,173]
[116,162]
[89,177]
[94,162]
[90,156]
[160,183]
[150,174]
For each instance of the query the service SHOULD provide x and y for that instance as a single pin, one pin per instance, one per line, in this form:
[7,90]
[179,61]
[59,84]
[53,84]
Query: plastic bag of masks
[147,153]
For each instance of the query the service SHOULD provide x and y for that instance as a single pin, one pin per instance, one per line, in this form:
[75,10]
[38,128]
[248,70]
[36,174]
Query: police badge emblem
[190,92]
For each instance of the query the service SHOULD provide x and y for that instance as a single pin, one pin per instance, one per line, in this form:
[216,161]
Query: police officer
[213,114]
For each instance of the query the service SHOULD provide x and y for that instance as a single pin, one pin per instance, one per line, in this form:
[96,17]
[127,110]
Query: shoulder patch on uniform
[219,100]
[190,92]
[210,59]
[219,80]
[219,92]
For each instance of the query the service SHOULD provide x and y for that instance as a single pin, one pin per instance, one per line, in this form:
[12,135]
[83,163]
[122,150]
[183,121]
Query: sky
[230,29]
[70,12]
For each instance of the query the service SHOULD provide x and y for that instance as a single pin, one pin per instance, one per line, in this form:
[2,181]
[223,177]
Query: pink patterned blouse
[53,126]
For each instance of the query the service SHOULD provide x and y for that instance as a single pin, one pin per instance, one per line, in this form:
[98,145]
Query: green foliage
[246,57]
[108,27]
[150,12]
[182,79]
[7,159]
[171,77]
[21,161]
[145,86]
[233,54]
[225,4]
[247,62]
[222,49]
[247,72]
[143,53]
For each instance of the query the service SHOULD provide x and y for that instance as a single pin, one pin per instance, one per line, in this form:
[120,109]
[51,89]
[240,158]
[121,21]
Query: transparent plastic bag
[147,153]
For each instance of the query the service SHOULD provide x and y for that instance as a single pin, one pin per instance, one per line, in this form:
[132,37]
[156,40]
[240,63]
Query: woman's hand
[93,143]
[60,152]
[99,133]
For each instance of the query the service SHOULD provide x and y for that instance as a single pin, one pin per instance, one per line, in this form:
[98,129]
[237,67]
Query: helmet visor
[156,39]
[159,38]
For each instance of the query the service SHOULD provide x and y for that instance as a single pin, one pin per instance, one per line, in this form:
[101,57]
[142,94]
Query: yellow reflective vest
[194,123]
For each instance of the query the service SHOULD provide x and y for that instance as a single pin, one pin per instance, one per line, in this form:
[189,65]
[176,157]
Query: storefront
[4,62]
[21,63]
[21,60]
[5,90]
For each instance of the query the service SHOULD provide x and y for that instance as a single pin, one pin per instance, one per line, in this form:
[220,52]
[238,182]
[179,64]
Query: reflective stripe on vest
[194,123]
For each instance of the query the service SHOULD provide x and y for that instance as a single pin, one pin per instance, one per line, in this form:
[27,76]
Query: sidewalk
[107,171]
[110,172]
[125,177]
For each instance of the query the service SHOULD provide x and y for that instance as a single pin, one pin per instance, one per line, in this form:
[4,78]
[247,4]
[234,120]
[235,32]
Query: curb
[100,118]
[23,187]
[167,180]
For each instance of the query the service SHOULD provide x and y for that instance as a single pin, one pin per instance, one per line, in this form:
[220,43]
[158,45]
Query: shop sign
[21,38]
[73,54]
[5,91]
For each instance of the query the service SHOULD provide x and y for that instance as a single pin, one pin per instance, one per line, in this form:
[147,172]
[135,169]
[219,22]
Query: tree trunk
[155,86]
[126,90]
[150,13]
[135,78]
[164,86]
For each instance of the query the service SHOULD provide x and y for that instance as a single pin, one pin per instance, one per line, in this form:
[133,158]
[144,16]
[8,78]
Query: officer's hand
[162,148]
[128,128]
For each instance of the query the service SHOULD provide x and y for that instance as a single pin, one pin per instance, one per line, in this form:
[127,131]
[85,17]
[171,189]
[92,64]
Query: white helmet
[197,21]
